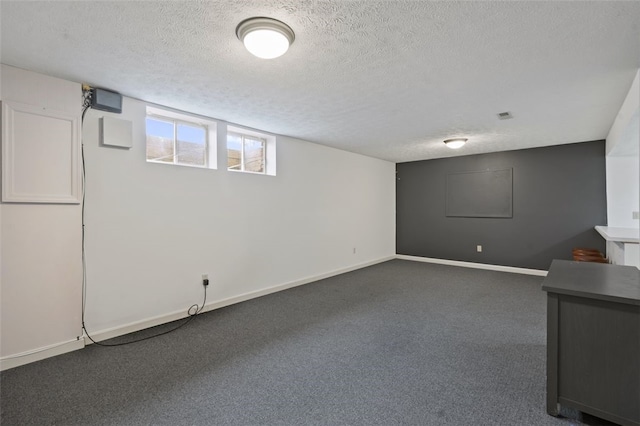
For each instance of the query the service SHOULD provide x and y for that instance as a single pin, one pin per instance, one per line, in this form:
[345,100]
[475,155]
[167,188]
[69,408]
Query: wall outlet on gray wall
[635,215]
[479,248]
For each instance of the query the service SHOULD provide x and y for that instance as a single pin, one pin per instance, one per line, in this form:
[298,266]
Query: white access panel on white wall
[40,155]
[116,132]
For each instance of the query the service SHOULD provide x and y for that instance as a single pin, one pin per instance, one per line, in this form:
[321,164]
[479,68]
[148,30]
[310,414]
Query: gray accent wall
[559,195]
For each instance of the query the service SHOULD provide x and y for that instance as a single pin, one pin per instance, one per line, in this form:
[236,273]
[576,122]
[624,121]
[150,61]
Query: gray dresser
[593,340]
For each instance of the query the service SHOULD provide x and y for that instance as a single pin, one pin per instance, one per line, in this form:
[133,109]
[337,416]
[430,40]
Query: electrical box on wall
[115,132]
[106,100]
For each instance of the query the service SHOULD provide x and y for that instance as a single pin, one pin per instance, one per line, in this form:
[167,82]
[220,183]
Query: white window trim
[175,123]
[264,153]
[210,127]
[269,151]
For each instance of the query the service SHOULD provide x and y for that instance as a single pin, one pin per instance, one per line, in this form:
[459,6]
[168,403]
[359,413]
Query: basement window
[180,139]
[250,152]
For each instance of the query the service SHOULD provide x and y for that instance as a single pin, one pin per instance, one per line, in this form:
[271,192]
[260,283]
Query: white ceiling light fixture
[265,38]
[455,143]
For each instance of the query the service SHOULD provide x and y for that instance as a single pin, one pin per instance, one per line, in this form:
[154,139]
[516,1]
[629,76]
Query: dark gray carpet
[397,343]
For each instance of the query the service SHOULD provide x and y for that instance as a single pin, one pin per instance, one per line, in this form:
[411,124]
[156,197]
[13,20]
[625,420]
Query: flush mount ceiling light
[265,38]
[455,143]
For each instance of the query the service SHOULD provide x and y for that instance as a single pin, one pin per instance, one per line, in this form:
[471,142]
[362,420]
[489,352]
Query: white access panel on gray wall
[40,155]
[115,132]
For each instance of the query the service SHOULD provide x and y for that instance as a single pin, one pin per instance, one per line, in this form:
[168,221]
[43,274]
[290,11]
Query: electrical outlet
[205,276]
[635,215]
[205,279]
[479,248]
[354,250]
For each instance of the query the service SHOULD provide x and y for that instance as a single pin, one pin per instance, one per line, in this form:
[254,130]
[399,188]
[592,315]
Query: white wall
[41,265]
[623,164]
[622,191]
[153,229]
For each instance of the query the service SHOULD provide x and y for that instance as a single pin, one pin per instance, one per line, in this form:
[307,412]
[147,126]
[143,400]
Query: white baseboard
[486,266]
[163,319]
[40,354]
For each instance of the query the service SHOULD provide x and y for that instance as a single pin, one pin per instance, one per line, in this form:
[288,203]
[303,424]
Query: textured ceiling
[388,79]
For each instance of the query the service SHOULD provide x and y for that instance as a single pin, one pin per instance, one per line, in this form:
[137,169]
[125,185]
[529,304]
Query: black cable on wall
[193,310]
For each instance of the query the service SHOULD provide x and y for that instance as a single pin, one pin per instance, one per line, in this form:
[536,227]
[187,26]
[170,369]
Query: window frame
[269,151]
[243,137]
[176,118]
